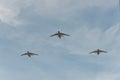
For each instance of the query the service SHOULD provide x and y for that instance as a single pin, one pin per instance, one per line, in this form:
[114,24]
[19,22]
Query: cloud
[10,10]
[61,7]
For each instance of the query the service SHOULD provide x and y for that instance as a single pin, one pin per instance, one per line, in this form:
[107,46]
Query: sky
[26,25]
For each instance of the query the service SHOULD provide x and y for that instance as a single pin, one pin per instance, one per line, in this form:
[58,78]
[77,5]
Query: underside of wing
[34,54]
[93,52]
[54,35]
[23,54]
[65,34]
[103,51]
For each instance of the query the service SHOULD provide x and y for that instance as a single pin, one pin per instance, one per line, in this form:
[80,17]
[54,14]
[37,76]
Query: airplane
[59,34]
[29,54]
[98,51]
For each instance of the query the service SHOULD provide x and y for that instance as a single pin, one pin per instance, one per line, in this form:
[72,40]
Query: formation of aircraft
[29,54]
[59,34]
[98,51]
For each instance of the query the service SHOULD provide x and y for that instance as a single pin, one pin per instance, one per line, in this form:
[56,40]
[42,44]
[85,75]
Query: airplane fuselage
[59,34]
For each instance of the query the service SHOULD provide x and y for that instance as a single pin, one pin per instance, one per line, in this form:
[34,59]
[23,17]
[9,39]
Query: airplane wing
[93,52]
[34,54]
[103,51]
[23,54]
[65,34]
[54,35]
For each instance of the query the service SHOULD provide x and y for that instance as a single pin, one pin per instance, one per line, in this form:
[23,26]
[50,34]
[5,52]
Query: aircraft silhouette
[29,54]
[98,51]
[59,34]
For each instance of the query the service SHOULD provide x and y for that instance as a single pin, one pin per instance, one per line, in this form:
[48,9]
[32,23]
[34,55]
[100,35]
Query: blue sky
[27,24]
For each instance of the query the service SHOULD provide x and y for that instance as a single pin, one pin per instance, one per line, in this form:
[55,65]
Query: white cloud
[69,6]
[10,10]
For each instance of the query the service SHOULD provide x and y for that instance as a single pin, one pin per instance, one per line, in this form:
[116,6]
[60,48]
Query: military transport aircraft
[98,51]
[29,54]
[59,34]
